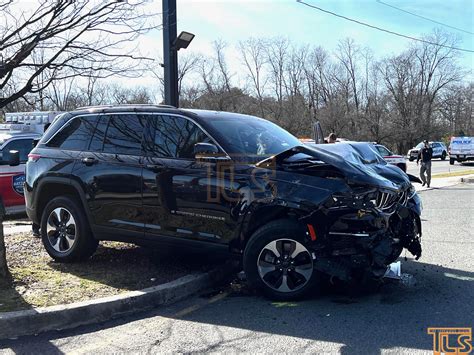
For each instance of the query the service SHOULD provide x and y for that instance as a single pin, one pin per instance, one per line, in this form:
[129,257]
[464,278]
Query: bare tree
[188,64]
[414,80]
[252,52]
[277,56]
[74,37]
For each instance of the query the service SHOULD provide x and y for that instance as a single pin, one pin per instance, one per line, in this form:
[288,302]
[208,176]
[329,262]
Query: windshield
[252,137]
[420,145]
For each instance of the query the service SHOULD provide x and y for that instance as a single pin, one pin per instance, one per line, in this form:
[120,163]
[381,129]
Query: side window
[175,137]
[383,151]
[97,141]
[124,134]
[75,135]
[24,146]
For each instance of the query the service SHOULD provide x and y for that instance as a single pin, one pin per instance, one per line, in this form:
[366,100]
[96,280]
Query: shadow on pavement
[393,316]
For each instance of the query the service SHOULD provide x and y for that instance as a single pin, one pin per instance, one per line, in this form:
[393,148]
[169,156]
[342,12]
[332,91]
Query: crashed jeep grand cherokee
[153,174]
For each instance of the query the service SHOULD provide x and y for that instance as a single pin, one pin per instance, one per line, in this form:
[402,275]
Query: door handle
[89,161]
[155,167]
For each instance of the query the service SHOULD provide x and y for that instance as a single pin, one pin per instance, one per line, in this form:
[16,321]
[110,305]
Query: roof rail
[123,105]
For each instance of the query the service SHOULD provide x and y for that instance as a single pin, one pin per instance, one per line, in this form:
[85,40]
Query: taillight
[33,157]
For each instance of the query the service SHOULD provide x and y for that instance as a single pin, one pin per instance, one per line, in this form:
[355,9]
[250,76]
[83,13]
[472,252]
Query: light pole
[171,46]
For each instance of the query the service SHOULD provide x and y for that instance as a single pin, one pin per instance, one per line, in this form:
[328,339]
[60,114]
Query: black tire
[411,159]
[281,232]
[451,161]
[73,236]
[443,156]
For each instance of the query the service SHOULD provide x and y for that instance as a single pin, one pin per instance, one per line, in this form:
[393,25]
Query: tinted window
[175,137]
[124,134]
[58,122]
[24,146]
[75,135]
[97,141]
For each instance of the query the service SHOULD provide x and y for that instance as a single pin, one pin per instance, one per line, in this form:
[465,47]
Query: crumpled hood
[359,162]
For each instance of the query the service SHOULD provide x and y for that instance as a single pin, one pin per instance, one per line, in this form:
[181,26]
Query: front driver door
[180,193]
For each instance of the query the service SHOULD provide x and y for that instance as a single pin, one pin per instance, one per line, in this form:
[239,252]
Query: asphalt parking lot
[391,319]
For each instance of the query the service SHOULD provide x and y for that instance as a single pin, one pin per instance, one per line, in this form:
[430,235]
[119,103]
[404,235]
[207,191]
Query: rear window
[75,135]
[54,127]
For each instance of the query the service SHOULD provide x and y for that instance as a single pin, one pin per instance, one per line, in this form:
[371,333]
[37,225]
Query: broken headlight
[359,198]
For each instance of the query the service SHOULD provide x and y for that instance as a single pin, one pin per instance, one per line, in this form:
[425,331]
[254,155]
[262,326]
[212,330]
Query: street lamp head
[183,40]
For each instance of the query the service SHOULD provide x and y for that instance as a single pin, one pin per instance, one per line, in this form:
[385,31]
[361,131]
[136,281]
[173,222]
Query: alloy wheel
[61,230]
[285,265]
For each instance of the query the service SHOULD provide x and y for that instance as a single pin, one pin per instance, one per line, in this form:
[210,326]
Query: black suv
[150,173]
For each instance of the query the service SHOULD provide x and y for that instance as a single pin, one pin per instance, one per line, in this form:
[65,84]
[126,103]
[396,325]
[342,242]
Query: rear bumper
[10,210]
[461,157]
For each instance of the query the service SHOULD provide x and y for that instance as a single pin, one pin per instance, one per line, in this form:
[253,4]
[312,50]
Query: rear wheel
[451,161]
[443,156]
[277,260]
[65,232]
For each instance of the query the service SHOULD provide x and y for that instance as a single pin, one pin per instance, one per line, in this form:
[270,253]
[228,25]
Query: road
[391,319]
[438,166]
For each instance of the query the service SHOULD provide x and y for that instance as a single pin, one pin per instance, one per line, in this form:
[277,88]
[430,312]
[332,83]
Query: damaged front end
[360,234]
[357,232]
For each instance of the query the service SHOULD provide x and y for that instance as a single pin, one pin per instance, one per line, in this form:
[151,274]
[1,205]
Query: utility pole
[170,54]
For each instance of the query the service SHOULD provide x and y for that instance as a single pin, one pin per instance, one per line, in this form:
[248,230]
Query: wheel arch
[259,216]
[51,187]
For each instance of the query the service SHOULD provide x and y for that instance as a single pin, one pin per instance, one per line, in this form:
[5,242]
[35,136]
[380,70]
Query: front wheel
[411,159]
[443,156]
[65,232]
[451,161]
[277,260]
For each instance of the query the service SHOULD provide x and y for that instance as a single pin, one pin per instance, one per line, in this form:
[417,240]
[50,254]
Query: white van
[461,149]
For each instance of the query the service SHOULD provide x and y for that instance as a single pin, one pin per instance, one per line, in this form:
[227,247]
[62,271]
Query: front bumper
[361,242]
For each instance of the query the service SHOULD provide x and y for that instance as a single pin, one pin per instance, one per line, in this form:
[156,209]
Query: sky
[233,21]
[236,20]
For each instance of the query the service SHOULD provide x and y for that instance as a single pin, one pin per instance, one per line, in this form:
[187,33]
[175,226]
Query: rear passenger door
[111,173]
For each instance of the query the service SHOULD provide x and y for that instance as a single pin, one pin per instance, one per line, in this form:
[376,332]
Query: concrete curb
[35,321]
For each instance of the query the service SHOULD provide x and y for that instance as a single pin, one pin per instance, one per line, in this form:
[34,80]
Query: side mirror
[14,158]
[205,149]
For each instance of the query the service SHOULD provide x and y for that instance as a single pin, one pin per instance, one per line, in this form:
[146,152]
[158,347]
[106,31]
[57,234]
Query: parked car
[157,174]
[17,135]
[461,149]
[397,160]
[12,173]
[439,150]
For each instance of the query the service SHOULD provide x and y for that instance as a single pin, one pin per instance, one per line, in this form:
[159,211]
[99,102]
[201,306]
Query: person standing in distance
[425,154]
